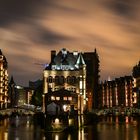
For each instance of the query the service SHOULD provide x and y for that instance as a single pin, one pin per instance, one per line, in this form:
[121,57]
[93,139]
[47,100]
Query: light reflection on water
[22,128]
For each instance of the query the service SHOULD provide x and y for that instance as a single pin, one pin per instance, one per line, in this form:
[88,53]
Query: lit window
[81,85]
[65,98]
[69,98]
[65,107]
[52,98]
[57,98]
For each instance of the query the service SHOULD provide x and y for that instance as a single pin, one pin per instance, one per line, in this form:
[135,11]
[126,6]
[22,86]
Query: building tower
[92,78]
[3,81]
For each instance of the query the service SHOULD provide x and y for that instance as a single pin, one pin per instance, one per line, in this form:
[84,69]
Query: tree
[37,96]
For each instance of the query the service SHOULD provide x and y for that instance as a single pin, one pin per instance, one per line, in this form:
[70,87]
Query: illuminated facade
[65,81]
[136,85]
[3,82]
[117,92]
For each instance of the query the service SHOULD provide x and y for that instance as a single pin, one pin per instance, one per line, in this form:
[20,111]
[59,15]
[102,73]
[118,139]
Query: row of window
[62,79]
[53,98]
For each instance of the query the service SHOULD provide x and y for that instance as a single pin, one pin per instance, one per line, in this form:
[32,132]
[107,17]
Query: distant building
[92,78]
[136,84]
[3,82]
[24,95]
[117,93]
[12,92]
[66,74]
[19,95]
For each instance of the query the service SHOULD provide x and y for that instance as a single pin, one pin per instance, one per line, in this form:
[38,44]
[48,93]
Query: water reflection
[116,128]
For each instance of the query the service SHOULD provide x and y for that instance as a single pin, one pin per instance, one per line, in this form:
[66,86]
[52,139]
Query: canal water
[109,128]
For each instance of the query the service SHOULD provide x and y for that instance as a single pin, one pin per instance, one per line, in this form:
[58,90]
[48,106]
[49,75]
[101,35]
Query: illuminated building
[19,95]
[3,82]
[65,81]
[23,95]
[92,78]
[136,85]
[117,92]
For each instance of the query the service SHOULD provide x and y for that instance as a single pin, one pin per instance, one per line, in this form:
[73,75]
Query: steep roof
[12,80]
[73,60]
[80,61]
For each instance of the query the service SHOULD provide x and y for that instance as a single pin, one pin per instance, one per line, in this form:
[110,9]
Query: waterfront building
[117,93]
[20,96]
[136,85]
[92,78]
[65,81]
[3,82]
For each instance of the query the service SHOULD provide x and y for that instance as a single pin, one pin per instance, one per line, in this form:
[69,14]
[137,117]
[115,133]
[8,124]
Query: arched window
[50,79]
[57,80]
[61,80]
[68,79]
[73,80]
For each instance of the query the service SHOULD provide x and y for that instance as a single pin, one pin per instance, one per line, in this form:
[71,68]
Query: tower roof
[12,80]
[80,61]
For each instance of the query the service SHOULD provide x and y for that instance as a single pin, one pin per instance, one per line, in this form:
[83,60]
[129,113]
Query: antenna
[42,64]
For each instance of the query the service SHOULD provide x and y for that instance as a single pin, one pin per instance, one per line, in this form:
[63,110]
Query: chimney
[53,54]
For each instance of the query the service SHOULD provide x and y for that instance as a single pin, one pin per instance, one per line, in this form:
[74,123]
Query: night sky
[30,29]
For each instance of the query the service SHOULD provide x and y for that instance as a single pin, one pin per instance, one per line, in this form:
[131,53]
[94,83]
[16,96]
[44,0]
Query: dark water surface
[109,128]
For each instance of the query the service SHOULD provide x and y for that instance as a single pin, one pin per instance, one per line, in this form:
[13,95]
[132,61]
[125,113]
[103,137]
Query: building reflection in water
[116,128]
[125,128]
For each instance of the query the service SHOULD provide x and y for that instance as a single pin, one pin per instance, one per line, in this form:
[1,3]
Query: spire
[95,50]
[80,61]
[12,81]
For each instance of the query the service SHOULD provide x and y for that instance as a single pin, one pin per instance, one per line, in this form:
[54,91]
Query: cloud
[123,8]
[30,29]
[47,37]
[20,10]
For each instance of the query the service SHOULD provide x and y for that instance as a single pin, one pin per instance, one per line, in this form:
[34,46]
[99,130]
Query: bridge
[20,110]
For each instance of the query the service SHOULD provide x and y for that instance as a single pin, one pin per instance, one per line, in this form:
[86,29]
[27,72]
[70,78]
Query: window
[52,98]
[50,79]
[56,79]
[57,98]
[73,80]
[68,79]
[65,98]
[61,80]
[69,98]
